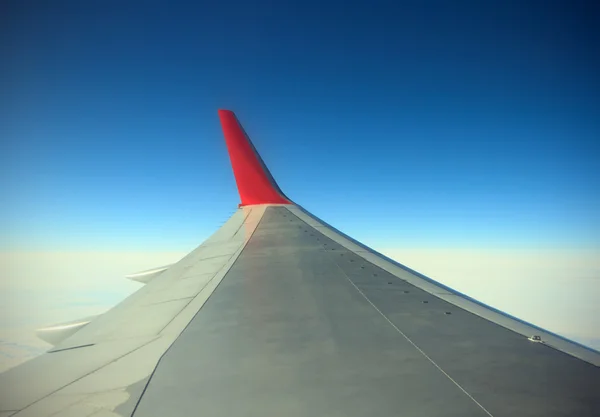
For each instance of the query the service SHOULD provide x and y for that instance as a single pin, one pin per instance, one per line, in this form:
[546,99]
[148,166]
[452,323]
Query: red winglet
[254,181]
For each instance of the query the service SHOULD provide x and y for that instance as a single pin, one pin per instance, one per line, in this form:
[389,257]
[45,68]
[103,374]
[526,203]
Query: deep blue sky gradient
[428,124]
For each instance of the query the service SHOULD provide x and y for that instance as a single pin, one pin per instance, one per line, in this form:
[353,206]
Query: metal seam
[412,343]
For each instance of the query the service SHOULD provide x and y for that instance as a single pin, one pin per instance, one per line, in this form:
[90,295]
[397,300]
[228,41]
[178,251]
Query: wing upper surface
[304,325]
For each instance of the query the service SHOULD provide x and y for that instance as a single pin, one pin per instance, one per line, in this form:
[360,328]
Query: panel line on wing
[210,280]
[71,348]
[237,254]
[85,375]
[387,319]
[174,299]
[411,342]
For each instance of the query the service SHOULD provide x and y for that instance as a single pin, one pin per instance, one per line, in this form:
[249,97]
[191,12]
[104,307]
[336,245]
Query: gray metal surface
[443,292]
[301,326]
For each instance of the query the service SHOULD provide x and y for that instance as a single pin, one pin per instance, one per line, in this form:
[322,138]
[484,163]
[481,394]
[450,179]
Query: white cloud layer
[44,288]
[557,290]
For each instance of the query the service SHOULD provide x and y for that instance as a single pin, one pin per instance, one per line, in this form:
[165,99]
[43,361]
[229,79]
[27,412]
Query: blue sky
[428,124]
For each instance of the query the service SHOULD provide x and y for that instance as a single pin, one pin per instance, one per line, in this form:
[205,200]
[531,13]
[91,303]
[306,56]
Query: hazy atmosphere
[557,290]
[459,138]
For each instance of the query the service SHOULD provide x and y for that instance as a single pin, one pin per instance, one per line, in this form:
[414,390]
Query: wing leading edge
[279,313]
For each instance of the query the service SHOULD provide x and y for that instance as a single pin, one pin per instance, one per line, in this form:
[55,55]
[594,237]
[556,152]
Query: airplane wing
[280,314]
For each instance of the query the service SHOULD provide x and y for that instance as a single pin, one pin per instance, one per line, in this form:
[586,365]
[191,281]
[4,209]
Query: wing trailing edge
[254,181]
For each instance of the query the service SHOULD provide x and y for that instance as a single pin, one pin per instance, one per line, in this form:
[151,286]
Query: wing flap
[25,384]
[123,346]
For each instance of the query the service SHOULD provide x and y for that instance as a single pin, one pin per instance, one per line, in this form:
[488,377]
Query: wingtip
[254,181]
